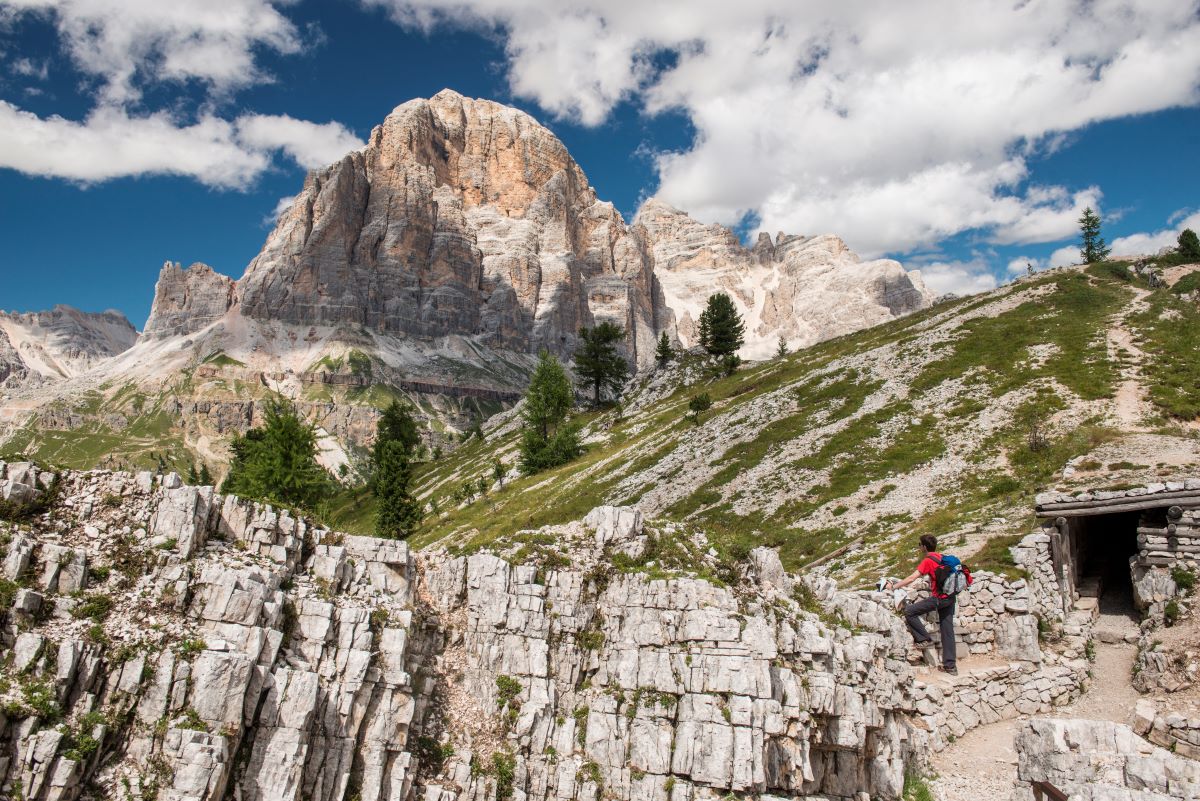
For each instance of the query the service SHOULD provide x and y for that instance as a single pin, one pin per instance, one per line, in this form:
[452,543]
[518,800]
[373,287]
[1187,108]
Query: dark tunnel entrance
[1104,546]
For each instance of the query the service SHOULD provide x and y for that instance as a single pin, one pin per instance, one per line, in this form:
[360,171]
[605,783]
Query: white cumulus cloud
[110,143]
[1147,243]
[28,68]
[309,144]
[893,124]
[128,45]
[958,277]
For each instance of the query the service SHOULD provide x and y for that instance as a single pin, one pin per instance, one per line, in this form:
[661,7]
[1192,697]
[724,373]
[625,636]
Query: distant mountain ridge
[60,343]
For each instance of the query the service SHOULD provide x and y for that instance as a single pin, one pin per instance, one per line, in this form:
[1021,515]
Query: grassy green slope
[918,425]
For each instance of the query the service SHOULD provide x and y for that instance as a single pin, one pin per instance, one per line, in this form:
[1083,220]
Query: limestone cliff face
[187,301]
[460,217]
[60,343]
[803,289]
[466,217]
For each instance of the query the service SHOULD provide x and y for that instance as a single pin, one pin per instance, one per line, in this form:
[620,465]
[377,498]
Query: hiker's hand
[889,585]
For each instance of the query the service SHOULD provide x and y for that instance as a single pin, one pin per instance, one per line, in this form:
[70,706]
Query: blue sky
[961,154]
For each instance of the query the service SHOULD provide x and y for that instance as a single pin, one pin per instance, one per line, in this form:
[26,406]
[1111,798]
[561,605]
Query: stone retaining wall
[1006,691]
[1176,728]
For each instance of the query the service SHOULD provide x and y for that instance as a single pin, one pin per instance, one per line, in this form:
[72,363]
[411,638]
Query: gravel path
[983,763]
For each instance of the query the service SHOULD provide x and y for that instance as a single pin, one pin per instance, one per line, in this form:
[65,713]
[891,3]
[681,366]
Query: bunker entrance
[1104,546]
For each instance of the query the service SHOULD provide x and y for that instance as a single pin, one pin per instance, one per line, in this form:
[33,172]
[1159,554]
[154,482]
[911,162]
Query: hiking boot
[952,671]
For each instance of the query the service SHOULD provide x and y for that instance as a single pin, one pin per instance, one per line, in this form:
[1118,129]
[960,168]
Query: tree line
[277,461]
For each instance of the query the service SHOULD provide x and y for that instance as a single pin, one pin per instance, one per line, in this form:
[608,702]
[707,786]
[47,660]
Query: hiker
[942,591]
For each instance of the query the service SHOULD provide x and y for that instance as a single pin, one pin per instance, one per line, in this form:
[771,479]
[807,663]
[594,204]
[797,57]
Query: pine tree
[547,439]
[396,424]
[1092,247]
[399,512]
[721,327]
[193,476]
[781,349]
[206,477]
[1189,244]
[277,462]
[664,353]
[598,364]
[698,405]
[498,471]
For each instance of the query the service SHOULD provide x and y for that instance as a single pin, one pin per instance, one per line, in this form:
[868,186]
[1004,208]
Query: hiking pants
[945,609]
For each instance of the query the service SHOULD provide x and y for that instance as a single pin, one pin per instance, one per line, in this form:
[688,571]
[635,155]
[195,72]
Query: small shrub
[8,593]
[1184,578]
[96,607]
[505,767]
[590,640]
[507,690]
[111,501]
[591,772]
[581,719]
[39,698]
[191,647]
[916,786]
[431,754]
[1171,612]
[192,721]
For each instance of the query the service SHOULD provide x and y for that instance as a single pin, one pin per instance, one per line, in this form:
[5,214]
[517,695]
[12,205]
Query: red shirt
[928,567]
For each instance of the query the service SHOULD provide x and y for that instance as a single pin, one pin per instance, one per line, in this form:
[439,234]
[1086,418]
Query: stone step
[1089,607]
[1089,587]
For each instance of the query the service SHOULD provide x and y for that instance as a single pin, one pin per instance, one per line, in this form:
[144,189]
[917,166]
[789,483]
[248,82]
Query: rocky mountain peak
[188,300]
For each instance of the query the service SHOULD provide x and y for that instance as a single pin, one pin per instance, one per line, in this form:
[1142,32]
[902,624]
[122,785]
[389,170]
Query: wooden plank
[1180,498]
[1171,530]
[1130,505]
[834,554]
[1042,789]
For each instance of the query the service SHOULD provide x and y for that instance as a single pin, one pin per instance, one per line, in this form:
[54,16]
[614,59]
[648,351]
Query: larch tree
[1092,247]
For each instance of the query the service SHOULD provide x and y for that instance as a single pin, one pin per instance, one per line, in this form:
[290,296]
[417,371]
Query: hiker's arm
[916,574]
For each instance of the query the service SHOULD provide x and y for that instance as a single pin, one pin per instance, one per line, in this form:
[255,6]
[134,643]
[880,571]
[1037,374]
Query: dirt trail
[983,763]
[1131,408]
